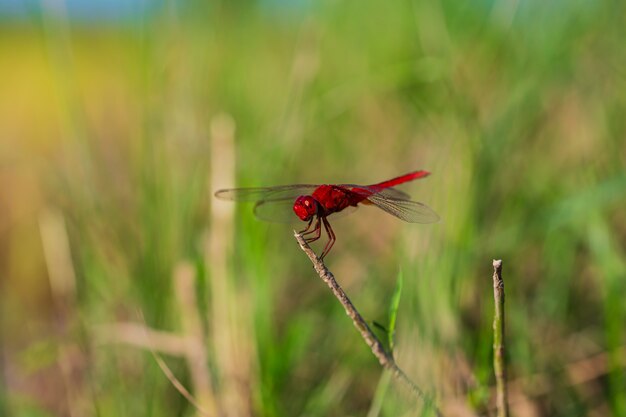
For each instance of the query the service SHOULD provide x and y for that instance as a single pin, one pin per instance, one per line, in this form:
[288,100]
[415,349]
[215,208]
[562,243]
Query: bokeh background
[119,119]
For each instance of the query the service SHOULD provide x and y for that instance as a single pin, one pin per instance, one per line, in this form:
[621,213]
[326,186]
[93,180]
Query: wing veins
[407,210]
[265,193]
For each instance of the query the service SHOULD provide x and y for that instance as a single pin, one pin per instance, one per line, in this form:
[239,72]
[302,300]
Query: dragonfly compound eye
[305,207]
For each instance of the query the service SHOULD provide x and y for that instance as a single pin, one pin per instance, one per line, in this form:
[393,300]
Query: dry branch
[498,341]
[384,357]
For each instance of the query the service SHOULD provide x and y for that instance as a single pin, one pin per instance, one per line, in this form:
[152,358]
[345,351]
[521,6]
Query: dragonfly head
[305,207]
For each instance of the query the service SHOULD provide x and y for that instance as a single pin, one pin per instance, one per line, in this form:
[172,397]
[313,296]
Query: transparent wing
[407,210]
[395,194]
[369,190]
[277,211]
[266,193]
[281,211]
[295,190]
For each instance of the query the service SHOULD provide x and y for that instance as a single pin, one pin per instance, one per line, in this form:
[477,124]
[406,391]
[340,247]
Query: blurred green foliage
[110,133]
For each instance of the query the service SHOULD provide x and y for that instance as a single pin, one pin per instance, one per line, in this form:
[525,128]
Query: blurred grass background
[115,130]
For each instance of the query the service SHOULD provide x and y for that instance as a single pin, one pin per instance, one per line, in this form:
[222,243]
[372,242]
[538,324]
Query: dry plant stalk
[498,341]
[195,349]
[231,329]
[384,357]
[58,256]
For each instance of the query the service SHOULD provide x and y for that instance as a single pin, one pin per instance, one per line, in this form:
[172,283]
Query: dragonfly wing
[369,190]
[266,193]
[277,211]
[407,210]
[394,194]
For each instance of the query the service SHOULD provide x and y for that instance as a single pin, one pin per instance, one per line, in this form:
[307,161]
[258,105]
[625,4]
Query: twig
[179,385]
[384,357]
[498,341]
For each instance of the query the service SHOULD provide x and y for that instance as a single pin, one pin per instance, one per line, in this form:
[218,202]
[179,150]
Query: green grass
[521,125]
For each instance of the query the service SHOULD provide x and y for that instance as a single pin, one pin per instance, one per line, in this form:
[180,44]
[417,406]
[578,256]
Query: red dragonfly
[314,203]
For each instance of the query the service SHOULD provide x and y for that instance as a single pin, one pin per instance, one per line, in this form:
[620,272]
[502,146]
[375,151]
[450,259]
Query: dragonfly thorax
[305,207]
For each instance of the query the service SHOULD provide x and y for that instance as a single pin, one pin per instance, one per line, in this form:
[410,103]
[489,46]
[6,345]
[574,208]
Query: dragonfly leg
[306,229]
[331,238]
[317,232]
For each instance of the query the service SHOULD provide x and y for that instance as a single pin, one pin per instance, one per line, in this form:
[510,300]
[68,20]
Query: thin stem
[384,357]
[498,341]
